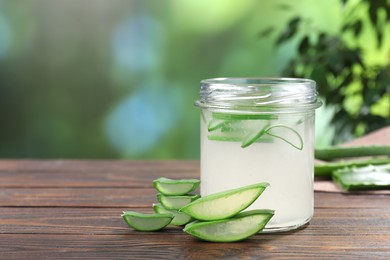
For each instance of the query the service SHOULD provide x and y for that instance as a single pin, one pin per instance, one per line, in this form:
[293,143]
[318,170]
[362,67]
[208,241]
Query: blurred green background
[118,78]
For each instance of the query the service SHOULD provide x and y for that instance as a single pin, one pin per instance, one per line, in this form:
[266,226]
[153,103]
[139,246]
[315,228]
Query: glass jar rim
[241,81]
[258,95]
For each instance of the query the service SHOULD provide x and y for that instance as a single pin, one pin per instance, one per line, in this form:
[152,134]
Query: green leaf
[224,204]
[168,186]
[237,228]
[357,28]
[176,202]
[266,32]
[287,134]
[179,218]
[290,31]
[304,45]
[146,222]
[363,178]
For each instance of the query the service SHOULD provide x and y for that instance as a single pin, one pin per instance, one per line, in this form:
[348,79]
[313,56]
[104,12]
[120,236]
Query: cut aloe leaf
[251,139]
[176,202]
[261,139]
[325,169]
[215,124]
[286,134]
[175,187]
[224,204]
[239,227]
[147,222]
[224,138]
[336,152]
[363,178]
[225,116]
[179,218]
[225,126]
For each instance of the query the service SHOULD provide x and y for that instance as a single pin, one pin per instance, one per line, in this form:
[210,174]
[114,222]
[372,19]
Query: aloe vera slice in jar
[370,177]
[146,222]
[215,124]
[239,227]
[287,134]
[168,186]
[226,116]
[176,202]
[179,218]
[224,204]
[253,138]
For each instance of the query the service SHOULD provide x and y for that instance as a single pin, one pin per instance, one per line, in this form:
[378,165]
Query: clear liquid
[226,165]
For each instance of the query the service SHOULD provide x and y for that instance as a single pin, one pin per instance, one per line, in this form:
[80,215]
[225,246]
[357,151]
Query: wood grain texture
[71,209]
[96,174]
[144,197]
[83,221]
[168,246]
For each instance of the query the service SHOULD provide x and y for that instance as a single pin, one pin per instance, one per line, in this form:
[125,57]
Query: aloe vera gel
[261,130]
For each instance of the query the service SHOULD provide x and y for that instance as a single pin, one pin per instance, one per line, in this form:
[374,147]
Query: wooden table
[71,209]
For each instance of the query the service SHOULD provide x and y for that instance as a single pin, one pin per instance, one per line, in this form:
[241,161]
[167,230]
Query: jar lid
[258,95]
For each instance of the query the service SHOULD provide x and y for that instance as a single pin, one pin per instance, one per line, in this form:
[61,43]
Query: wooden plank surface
[158,246]
[82,221]
[78,173]
[135,197]
[71,209]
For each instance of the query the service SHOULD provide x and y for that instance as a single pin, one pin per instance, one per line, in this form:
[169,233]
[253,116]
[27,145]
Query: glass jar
[261,130]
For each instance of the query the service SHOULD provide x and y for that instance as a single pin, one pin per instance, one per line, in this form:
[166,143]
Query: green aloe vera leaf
[176,202]
[224,204]
[336,152]
[253,138]
[237,228]
[287,134]
[325,169]
[179,218]
[231,138]
[226,116]
[224,138]
[168,186]
[215,124]
[146,222]
[370,177]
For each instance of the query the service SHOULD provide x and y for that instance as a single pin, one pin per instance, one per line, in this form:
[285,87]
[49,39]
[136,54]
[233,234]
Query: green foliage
[337,62]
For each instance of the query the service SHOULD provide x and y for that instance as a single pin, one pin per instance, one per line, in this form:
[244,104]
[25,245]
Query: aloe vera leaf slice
[147,222]
[226,116]
[215,124]
[325,169]
[239,227]
[335,152]
[231,138]
[293,134]
[224,204]
[179,218]
[251,139]
[168,186]
[363,178]
[176,202]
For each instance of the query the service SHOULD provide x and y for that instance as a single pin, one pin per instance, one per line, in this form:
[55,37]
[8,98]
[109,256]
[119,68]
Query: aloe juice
[261,130]
[287,164]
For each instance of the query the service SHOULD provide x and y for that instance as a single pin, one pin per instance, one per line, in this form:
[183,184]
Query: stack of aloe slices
[367,170]
[219,217]
[225,127]
[173,194]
